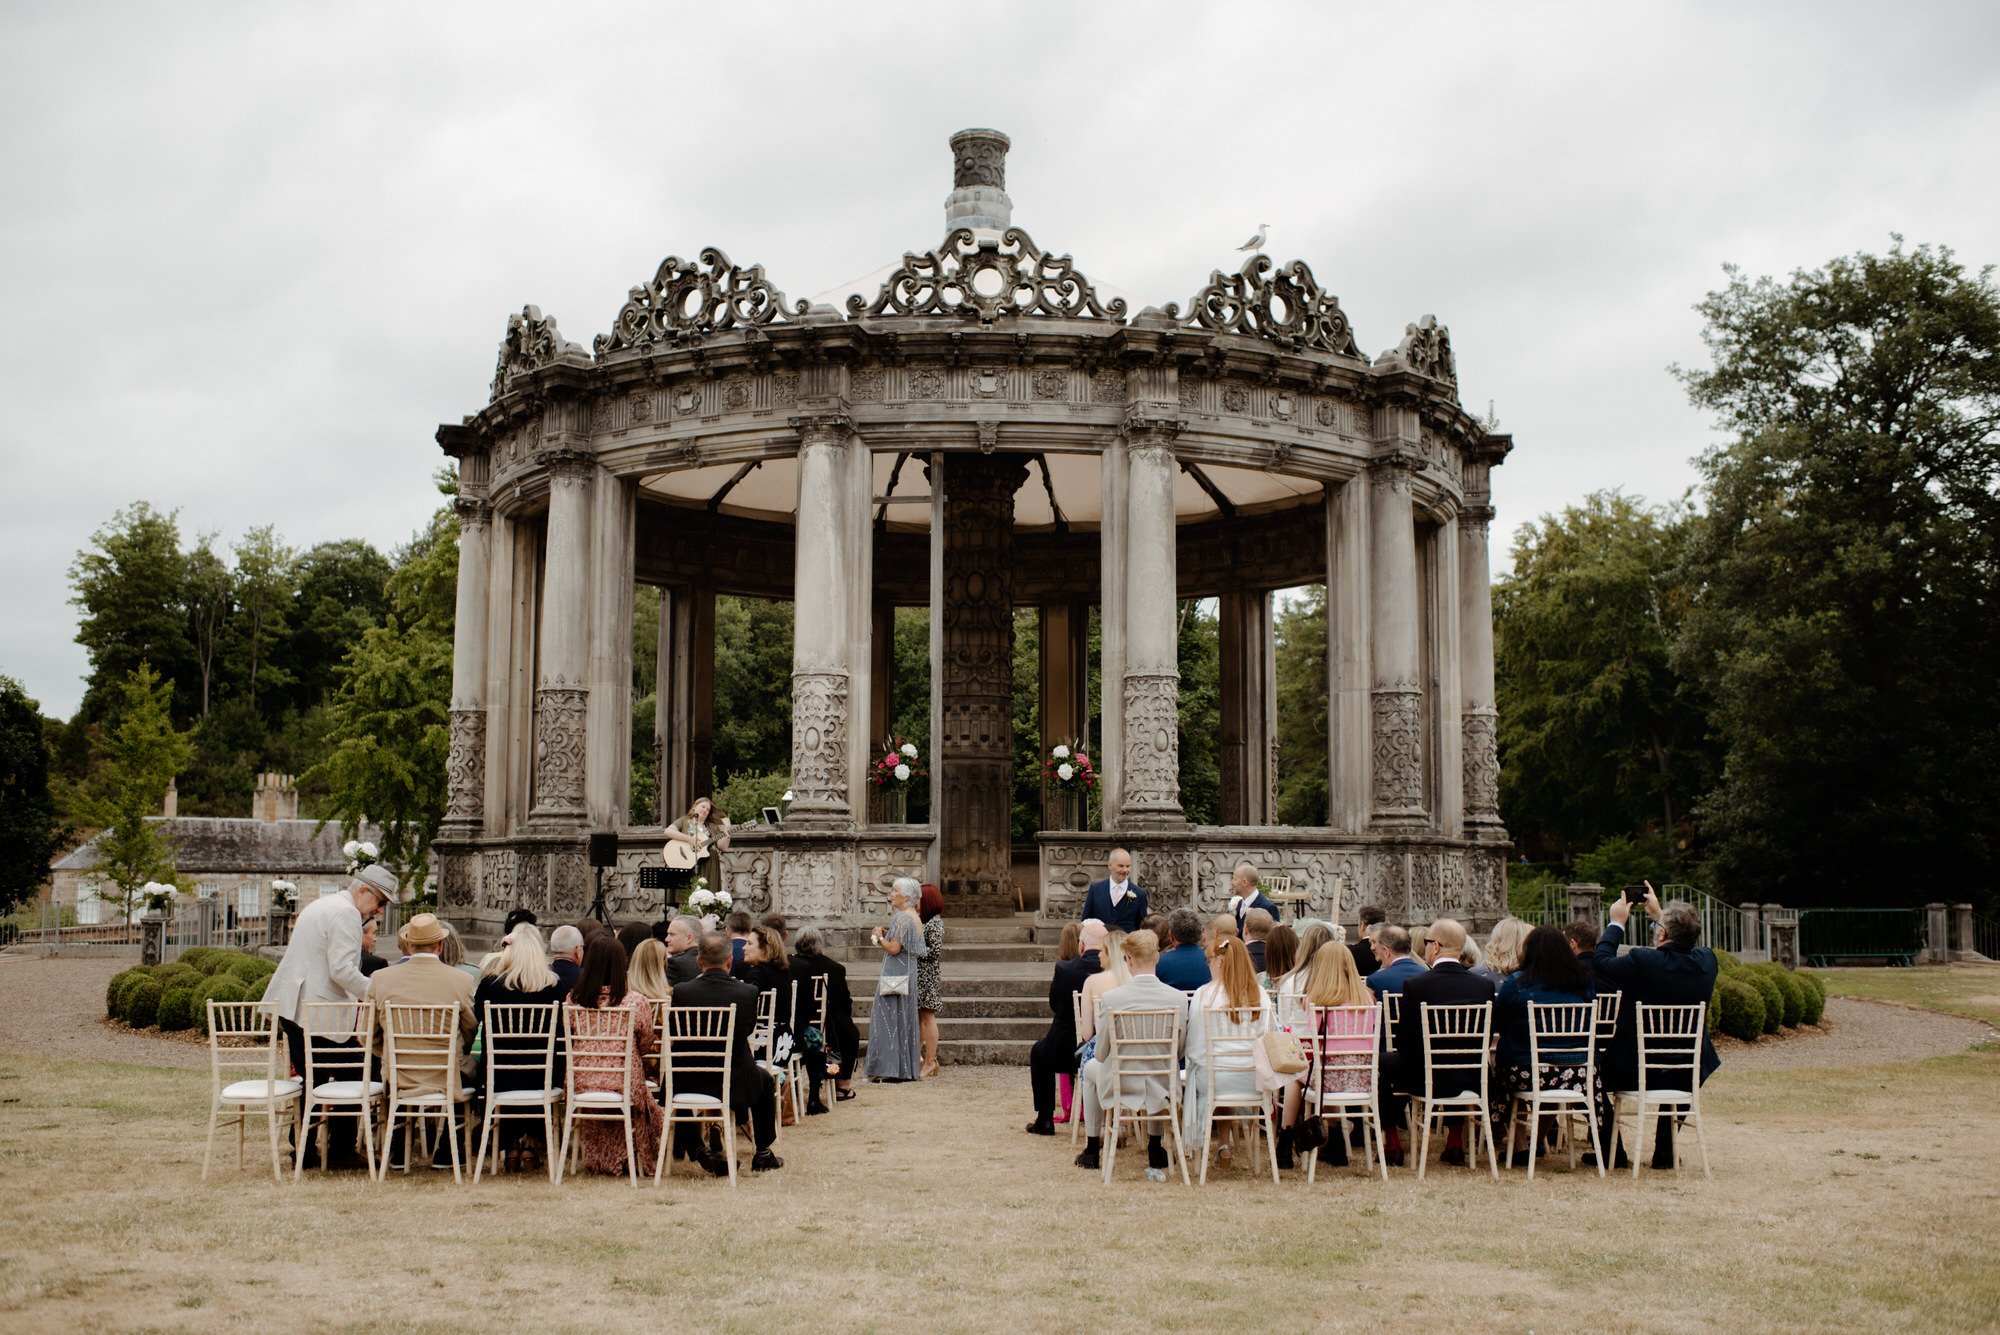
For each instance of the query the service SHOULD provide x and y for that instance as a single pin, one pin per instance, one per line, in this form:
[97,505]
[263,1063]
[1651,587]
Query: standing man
[1116,901]
[1675,971]
[1054,1053]
[1244,896]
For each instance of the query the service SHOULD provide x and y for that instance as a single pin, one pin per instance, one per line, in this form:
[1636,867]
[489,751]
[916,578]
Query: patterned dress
[930,988]
[604,1142]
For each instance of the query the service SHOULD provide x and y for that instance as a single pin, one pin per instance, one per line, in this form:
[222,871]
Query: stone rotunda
[982,432]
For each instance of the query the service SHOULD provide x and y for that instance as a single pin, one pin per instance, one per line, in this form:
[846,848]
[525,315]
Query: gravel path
[1863,1033]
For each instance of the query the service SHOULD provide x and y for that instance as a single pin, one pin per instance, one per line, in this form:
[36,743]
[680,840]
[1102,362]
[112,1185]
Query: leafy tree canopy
[30,831]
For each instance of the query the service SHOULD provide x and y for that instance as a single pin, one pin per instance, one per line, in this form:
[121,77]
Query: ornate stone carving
[979,157]
[1190,392]
[736,393]
[1364,420]
[465,766]
[866,386]
[814,883]
[472,513]
[1398,754]
[1426,887]
[559,750]
[600,415]
[1285,306]
[819,739]
[1108,387]
[1023,281]
[686,302]
[876,868]
[531,885]
[458,888]
[498,879]
[784,389]
[1327,413]
[1426,349]
[1394,472]
[569,886]
[639,408]
[531,342]
[1235,398]
[1051,385]
[1067,869]
[1387,884]
[1152,743]
[926,384]
[1482,766]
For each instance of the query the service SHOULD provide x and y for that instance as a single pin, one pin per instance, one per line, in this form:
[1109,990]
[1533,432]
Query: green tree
[1844,621]
[1598,735]
[129,585]
[1200,653]
[141,755]
[342,589]
[753,687]
[208,594]
[1300,630]
[30,830]
[266,582]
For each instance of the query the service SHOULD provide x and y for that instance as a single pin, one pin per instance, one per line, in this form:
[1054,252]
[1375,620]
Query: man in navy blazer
[1244,895]
[1393,963]
[1446,983]
[1054,1053]
[1116,901]
[1677,971]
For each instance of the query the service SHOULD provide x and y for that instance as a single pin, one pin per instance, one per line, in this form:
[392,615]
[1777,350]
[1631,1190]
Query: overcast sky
[251,255]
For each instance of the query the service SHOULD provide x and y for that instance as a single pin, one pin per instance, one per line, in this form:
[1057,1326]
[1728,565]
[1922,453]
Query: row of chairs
[1146,1068]
[421,1081]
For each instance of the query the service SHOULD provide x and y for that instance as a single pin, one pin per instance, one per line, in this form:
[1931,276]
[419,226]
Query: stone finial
[979,179]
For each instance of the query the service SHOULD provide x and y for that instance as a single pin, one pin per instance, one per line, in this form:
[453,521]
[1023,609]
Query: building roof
[241,844]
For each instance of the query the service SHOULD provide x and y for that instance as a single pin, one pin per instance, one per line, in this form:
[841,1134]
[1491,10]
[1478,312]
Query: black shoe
[1156,1154]
[1334,1153]
[1285,1139]
[1454,1156]
[715,1164]
[815,1107]
[764,1161]
[1089,1159]
[1041,1126]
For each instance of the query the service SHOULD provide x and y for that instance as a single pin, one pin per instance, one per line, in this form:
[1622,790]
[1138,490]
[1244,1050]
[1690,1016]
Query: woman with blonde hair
[1289,991]
[1115,973]
[1233,998]
[1332,980]
[520,977]
[648,975]
[1502,955]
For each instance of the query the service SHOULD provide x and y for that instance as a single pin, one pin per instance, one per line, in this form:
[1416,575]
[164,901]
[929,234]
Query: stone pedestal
[1586,903]
[1965,939]
[1753,926]
[152,937]
[1937,934]
[281,924]
[1785,941]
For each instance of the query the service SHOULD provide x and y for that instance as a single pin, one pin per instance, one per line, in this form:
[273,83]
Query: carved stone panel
[465,766]
[1067,869]
[1398,755]
[458,884]
[1482,767]
[569,885]
[498,879]
[1152,744]
[819,738]
[814,883]
[560,743]
[1388,883]
[877,865]
[531,883]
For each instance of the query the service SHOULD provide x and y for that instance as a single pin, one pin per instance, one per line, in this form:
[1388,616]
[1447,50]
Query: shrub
[198,958]
[1815,990]
[1767,988]
[1727,961]
[255,991]
[176,973]
[1738,1008]
[136,979]
[142,1005]
[247,968]
[116,986]
[1794,990]
[221,987]
[177,1009]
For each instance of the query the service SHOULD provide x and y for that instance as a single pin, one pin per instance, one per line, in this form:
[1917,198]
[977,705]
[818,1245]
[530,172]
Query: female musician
[706,837]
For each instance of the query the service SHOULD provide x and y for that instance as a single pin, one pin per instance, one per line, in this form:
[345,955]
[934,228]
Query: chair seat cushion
[519,1096]
[256,1091]
[1656,1095]
[598,1099]
[1342,1099]
[1470,1099]
[346,1089]
[697,1101]
[431,1098]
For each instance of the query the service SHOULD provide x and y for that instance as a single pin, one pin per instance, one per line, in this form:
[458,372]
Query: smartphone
[1635,894]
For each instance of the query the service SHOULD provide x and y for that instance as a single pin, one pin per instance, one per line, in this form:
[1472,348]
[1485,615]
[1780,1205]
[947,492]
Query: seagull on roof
[1257,242]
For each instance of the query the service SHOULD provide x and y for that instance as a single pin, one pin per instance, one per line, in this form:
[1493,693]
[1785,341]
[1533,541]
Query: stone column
[1753,925]
[608,773]
[973,789]
[684,698]
[1151,781]
[562,693]
[1248,702]
[1479,724]
[1111,635]
[465,767]
[821,673]
[1449,650]
[1586,903]
[1968,939]
[1349,703]
[1396,724]
[1937,941]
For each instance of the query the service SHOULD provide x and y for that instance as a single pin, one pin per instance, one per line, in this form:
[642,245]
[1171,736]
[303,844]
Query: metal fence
[204,922]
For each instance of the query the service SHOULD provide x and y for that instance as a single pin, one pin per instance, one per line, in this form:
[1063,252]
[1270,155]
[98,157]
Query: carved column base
[560,747]
[1479,729]
[1398,761]
[465,777]
[1152,752]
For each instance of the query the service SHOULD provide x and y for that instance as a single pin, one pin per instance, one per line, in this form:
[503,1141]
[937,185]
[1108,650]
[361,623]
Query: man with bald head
[1116,901]
[1054,1053]
[1446,983]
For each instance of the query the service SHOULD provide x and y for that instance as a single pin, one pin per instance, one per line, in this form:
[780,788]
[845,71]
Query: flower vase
[1069,810]
[896,806]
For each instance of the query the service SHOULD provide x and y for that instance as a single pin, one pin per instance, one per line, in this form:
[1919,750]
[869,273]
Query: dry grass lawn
[1843,1200]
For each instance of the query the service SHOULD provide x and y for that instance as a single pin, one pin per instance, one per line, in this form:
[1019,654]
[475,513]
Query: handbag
[1285,1053]
[893,985]
[781,1047]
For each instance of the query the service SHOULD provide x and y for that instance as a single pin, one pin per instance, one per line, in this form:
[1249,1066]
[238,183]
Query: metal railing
[206,922]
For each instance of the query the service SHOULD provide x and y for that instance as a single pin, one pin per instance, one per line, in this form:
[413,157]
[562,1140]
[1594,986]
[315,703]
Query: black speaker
[603,850]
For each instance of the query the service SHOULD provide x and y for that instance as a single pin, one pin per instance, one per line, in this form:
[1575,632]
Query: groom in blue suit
[1116,901]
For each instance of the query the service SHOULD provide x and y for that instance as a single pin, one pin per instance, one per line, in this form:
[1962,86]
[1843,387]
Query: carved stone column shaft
[1152,620]
[1396,722]
[562,694]
[465,769]
[821,673]
[1480,755]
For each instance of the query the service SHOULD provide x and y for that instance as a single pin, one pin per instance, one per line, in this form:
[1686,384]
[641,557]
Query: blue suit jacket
[1129,914]
[1667,976]
[1391,977]
[1184,967]
[1257,900]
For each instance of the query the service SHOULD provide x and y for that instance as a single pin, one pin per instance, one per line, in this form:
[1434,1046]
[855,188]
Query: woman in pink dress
[1332,980]
[602,979]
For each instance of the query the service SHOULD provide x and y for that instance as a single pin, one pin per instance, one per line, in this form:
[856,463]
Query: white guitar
[684,856]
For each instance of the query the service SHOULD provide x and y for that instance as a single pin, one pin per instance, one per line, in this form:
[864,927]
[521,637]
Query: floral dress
[603,1141]
[930,988]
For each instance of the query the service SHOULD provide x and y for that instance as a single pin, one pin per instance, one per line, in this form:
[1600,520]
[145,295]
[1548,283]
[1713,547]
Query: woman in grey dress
[892,1023]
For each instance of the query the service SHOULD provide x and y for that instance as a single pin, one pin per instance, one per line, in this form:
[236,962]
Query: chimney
[979,180]
[171,806]
[276,799]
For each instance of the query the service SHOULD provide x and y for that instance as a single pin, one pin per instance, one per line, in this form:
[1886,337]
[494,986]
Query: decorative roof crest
[685,302]
[1286,307]
[531,342]
[1426,349]
[1024,281]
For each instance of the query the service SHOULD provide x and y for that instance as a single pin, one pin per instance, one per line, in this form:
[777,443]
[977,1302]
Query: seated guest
[840,1041]
[1362,947]
[602,984]
[630,934]
[515,917]
[1137,955]
[1330,980]
[1112,974]
[1233,995]
[370,961]
[423,980]
[522,977]
[1550,974]
[1281,953]
[776,922]
[566,955]
[1446,983]
[1582,938]
[1257,925]
[1221,925]
[1117,901]
[1675,971]
[766,968]
[1186,965]
[648,973]
[1070,944]
[1394,967]
[452,952]
[1054,1053]
[682,934]
[1156,923]
[1245,896]
[1287,987]
[738,925]
[751,1088]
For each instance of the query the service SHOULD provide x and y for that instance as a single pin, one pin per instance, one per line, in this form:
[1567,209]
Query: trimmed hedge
[1815,990]
[1727,960]
[200,958]
[255,991]
[221,987]
[1774,1000]
[247,968]
[116,986]
[142,1003]
[1739,1007]
[136,979]
[1795,994]
[177,1009]
[173,975]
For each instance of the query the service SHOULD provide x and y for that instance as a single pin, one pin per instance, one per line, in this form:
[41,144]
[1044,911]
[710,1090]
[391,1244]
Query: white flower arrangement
[159,894]
[910,749]
[1061,753]
[359,853]
[902,771]
[283,892]
[1065,771]
[702,900]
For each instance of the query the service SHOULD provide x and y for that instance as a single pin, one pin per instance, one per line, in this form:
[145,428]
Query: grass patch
[1971,990]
